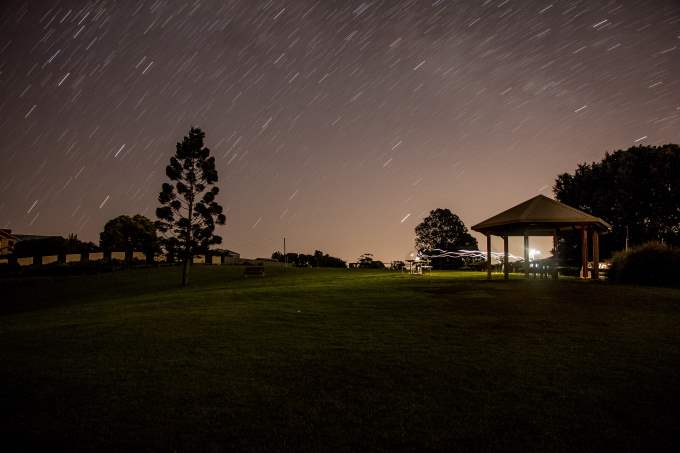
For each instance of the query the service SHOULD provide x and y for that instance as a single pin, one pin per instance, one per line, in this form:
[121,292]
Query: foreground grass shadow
[310,359]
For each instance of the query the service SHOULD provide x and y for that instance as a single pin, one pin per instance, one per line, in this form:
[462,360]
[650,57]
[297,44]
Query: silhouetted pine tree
[188,210]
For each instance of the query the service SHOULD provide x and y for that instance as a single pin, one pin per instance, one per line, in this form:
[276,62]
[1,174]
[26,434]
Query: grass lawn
[321,360]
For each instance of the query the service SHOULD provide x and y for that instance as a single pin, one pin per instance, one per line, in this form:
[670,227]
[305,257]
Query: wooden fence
[115,256]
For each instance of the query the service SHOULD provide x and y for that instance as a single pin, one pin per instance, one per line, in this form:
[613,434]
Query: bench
[254,271]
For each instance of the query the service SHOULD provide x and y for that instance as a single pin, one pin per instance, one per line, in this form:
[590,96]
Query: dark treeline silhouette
[52,245]
[318,259]
[368,261]
[636,190]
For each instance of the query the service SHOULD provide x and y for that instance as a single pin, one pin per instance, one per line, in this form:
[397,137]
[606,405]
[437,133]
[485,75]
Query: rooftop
[539,216]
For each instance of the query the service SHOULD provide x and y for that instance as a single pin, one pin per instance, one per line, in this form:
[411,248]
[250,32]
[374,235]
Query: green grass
[318,360]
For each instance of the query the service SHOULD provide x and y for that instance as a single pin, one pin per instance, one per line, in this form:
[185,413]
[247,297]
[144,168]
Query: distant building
[226,253]
[7,242]
[225,256]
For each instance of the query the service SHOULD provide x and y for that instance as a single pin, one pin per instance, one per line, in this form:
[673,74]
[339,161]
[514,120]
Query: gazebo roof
[539,216]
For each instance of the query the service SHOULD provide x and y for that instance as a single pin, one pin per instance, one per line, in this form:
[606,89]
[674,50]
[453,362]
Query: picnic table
[254,271]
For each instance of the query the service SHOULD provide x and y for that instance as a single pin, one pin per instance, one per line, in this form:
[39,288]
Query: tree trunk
[185,269]
[187,245]
[187,256]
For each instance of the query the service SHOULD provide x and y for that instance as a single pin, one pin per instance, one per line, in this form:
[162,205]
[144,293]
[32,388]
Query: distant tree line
[53,245]
[318,259]
[636,190]
[368,261]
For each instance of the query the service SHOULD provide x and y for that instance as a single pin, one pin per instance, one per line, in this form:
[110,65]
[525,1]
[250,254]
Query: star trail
[338,124]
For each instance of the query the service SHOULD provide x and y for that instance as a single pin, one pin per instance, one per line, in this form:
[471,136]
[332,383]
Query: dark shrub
[649,264]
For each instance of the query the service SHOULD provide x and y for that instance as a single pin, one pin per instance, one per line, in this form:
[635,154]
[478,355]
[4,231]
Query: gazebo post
[584,252]
[596,255]
[556,260]
[488,257]
[505,258]
[526,256]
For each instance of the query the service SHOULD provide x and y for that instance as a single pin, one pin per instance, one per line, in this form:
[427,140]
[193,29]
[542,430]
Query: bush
[649,264]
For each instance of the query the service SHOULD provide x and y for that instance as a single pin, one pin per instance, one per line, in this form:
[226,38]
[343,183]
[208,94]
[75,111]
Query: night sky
[338,124]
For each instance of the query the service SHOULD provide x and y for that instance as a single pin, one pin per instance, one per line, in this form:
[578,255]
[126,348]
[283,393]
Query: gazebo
[543,216]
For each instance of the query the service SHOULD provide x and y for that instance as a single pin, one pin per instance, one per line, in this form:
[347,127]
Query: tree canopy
[443,230]
[368,261]
[127,234]
[189,213]
[637,190]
